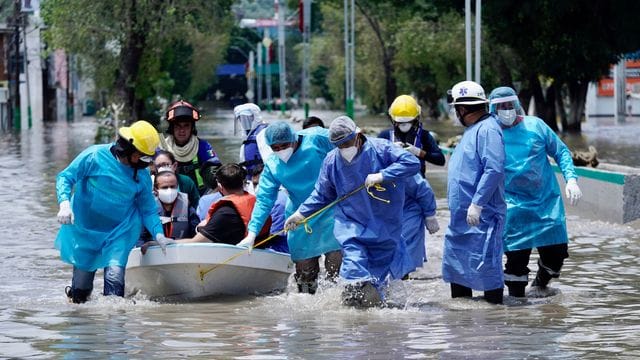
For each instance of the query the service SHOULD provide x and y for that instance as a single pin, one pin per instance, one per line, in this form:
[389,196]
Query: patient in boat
[228,217]
[178,216]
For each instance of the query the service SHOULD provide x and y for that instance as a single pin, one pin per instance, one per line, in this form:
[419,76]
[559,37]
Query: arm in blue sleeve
[147,205]
[490,147]
[323,193]
[205,151]
[433,153]
[557,149]
[419,189]
[77,170]
[402,164]
[385,134]
[266,196]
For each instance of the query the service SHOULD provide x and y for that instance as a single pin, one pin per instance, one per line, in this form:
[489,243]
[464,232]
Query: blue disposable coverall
[298,175]
[109,206]
[472,256]
[368,229]
[535,213]
[420,202]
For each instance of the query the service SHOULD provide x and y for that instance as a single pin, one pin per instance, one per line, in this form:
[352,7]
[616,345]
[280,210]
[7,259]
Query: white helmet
[468,93]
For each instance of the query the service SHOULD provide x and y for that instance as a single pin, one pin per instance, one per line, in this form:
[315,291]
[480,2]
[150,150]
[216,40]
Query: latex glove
[293,221]
[412,149]
[473,215]
[248,241]
[373,179]
[65,215]
[163,241]
[432,224]
[572,191]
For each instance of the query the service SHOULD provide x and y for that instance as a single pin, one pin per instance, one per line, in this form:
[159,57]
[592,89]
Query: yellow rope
[307,228]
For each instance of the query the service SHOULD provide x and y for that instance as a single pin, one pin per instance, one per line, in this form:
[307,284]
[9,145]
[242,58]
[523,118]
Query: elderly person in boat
[368,222]
[228,217]
[535,213]
[295,165]
[111,202]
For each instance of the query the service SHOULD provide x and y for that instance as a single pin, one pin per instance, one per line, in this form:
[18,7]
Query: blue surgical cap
[503,94]
[279,132]
[342,129]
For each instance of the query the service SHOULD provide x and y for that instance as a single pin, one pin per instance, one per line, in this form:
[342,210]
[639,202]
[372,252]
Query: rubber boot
[363,295]
[458,290]
[307,287]
[77,296]
[494,296]
[542,279]
[516,288]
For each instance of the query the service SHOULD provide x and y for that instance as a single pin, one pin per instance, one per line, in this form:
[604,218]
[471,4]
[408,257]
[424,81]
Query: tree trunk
[130,56]
[388,53]
[545,105]
[560,108]
[577,98]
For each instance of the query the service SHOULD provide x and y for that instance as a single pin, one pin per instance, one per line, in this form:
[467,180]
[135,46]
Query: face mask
[507,117]
[349,153]
[167,196]
[285,154]
[405,127]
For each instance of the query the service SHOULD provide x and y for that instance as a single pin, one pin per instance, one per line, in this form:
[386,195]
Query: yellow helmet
[404,109]
[142,135]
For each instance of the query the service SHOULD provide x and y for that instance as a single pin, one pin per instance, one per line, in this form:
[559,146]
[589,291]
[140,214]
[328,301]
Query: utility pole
[349,55]
[259,72]
[26,68]
[281,56]
[467,40]
[14,81]
[266,41]
[306,37]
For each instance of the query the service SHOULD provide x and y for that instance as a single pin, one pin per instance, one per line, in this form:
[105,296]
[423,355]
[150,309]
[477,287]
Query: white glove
[432,224]
[163,241]
[293,221]
[473,215]
[248,241]
[65,215]
[373,179]
[572,191]
[412,149]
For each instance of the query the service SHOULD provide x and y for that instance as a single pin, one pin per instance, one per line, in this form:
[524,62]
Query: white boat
[204,270]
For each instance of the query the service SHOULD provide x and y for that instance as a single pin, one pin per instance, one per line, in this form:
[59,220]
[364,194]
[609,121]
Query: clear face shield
[508,109]
[245,121]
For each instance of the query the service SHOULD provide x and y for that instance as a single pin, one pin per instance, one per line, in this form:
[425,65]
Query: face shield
[508,109]
[245,120]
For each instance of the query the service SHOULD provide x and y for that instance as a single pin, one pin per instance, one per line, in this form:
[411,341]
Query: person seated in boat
[165,159]
[213,193]
[191,152]
[278,243]
[178,217]
[228,217]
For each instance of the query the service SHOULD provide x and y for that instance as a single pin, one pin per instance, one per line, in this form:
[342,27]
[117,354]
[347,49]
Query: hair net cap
[500,92]
[342,129]
[279,132]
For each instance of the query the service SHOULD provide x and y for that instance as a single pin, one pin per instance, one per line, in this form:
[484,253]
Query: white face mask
[349,153]
[405,127]
[285,154]
[167,196]
[507,117]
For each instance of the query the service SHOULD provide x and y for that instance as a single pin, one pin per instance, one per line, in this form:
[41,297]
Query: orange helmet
[182,110]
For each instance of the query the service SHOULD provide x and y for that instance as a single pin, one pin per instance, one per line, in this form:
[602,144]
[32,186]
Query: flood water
[596,314]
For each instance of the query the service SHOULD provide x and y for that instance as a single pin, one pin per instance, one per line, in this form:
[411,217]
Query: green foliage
[180,42]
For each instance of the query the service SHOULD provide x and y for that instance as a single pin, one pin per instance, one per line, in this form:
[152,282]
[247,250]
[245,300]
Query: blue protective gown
[472,256]
[369,230]
[420,202]
[298,176]
[109,208]
[535,213]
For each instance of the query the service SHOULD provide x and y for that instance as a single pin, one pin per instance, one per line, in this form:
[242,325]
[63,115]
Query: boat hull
[200,271]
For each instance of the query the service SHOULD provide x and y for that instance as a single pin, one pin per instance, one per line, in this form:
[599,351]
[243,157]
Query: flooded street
[595,315]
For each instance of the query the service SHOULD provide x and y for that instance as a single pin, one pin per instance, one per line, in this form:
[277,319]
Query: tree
[127,45]
[562,46]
